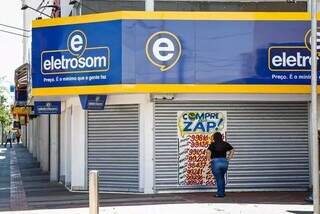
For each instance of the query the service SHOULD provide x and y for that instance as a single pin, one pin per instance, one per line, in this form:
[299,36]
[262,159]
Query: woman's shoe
[219,196]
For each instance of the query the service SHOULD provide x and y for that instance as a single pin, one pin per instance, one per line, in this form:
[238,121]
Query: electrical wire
[44,7]
[17,34]
[14,27]
[40,5]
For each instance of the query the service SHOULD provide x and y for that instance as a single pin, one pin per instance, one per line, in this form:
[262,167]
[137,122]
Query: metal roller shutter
[113,147]
[271,142]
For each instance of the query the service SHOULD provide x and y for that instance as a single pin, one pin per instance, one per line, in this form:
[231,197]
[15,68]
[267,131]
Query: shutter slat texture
[270,139]
[113,147]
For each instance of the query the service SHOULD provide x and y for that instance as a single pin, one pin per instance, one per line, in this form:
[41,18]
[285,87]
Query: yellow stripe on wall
[173,15]
[172,88]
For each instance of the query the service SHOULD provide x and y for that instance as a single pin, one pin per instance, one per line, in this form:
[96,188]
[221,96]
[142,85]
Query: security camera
[162,97]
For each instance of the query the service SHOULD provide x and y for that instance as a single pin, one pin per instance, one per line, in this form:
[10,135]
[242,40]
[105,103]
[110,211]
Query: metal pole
[314,124]
[93,192]
[49,143]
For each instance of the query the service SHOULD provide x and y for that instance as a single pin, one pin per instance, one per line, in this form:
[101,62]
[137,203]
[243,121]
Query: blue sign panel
[93,102]
[21,97]
[158,51]
[215,52]
[47,107]
[77,55]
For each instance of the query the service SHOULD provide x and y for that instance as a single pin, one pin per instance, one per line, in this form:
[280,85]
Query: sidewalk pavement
[185,209]
[25,189]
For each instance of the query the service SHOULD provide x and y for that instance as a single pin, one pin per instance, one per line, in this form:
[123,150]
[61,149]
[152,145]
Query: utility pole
[314,94]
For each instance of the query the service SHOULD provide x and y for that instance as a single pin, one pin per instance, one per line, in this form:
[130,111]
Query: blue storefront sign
[194,52]
[93,102]
[47,107]
[21,97]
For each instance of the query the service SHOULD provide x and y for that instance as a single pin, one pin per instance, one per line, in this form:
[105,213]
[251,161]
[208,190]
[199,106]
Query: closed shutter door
[270,139]
[113,147]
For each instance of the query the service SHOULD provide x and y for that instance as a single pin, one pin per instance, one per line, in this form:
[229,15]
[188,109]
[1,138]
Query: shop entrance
[270,139]
[113,147]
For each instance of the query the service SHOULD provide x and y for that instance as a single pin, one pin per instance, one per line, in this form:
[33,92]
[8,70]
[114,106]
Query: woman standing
[219,153]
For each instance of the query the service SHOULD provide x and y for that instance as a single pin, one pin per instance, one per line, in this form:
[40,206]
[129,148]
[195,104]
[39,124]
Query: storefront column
[54,146]
[24,135]
[29,142]
[78,148]
[35,137]
[63,145]
[147,142]
[44,142]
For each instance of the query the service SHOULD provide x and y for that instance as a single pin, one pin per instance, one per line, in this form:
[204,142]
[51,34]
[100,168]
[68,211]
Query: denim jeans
[219,167]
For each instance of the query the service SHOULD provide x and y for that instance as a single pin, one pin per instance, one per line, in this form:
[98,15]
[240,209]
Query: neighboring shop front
[167,83]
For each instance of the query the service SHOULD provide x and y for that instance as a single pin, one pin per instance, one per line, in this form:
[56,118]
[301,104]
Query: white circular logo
[307,40]
[77,43]
[163,49]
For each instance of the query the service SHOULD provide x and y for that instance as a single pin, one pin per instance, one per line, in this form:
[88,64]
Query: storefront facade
[157,70]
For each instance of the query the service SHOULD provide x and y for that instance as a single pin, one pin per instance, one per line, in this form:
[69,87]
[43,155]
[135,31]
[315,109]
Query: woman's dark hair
[217,137]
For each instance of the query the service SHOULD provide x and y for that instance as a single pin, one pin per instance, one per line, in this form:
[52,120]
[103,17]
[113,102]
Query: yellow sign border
[172,88]
[174,15]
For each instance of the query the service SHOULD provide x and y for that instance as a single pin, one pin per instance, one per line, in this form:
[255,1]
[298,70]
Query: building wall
[65,8]
[73,147]
[182,5]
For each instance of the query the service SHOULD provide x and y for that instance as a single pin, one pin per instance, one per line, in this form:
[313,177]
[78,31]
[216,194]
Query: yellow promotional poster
[195,130]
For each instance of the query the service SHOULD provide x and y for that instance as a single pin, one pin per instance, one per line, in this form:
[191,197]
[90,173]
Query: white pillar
[35,137]
[63,146]
[149,5]
[29,140]
[44,142]
[68,147]
[146,146]
[37,134]
[54,146]
[23,135]
[78,148]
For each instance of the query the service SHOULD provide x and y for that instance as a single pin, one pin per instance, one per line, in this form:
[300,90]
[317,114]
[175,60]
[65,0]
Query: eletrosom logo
[163,49]
[293,58]
[78,58]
